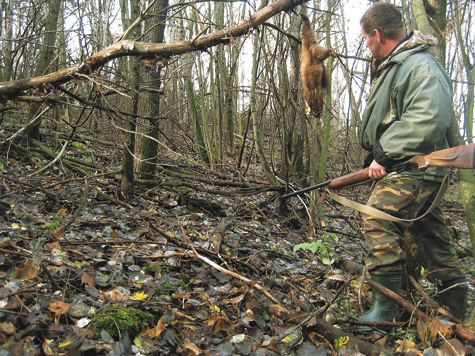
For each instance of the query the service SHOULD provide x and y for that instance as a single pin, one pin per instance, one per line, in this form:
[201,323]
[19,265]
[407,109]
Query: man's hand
[377,171]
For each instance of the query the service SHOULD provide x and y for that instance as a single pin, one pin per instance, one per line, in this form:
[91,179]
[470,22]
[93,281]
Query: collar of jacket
[414,42]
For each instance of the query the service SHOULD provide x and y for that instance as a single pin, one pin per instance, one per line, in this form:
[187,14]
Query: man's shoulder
[423,63]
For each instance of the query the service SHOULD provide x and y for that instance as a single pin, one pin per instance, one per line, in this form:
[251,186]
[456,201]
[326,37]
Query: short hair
[384,17]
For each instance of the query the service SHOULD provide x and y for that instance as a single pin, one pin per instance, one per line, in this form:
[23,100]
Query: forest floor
[198,264]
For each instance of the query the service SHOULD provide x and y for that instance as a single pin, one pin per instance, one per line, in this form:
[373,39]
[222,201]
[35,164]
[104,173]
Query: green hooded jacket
[409,109]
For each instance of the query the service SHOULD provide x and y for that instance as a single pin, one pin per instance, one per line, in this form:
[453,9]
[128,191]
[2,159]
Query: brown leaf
[278,311]
[190,349]
[115,295]
[7,328]
[59,232]
[61,212]
[453,347]
[85,278]
[433,328]
[250,314]
[336,277]
[115,234]
[234,300]
[60,308]
[155,333]
[83,333]
[218,322]
[54,245]
[29,271]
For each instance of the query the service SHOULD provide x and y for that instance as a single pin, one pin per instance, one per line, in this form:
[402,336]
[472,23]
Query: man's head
[382,27]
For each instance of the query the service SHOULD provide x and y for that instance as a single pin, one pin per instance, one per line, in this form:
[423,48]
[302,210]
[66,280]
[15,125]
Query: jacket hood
[417,41]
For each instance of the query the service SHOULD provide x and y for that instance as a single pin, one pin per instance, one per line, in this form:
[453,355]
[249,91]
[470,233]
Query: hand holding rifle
[455,157]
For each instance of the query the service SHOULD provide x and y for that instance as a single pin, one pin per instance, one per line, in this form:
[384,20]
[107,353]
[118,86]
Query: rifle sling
[382,215]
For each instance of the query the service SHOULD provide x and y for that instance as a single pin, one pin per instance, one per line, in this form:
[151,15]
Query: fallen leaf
[115,234]
[278,311]
[54,245]
[59,232]
[7,328]
[139,296]
[156,332]
[453,347]
[115,295]
[405,346]
[217,322]
[64,344]
[59,308]
[29,271]
[85,278]
[191,349]
[433,328]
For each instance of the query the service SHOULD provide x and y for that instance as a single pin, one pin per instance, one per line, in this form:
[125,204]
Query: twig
[315,314]
[19,292]
[230,273]
[432,303]
[74,216]
[78,179]
[58,157]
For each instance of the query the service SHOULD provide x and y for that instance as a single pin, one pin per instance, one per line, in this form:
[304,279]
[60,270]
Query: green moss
[121,321]
[153,270]
[80,146]
[168,288]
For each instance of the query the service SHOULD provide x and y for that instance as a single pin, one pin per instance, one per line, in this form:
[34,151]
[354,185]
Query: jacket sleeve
[422,104]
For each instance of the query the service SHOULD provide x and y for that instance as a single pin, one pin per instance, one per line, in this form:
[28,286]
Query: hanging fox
[312,69]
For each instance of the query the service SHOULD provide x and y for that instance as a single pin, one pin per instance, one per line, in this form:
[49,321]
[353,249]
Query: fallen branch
[433,304]
[458,328]
[65,181]
[228,272]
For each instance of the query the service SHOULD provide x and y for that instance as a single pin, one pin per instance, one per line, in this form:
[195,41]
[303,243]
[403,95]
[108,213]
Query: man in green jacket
[408,112]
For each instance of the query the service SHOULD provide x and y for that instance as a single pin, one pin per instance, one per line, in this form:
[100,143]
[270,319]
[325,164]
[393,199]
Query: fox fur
[312,69]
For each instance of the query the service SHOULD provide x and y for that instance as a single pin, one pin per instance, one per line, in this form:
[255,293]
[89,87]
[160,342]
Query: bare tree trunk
[45,59]
[149,146]
[463,44]
[256,110]
[7,32]
[127,181]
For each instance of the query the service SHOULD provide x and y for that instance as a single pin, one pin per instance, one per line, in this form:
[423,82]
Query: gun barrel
[305,190]
[337,183]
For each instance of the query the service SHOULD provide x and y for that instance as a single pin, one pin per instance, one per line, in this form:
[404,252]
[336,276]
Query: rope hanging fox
[312,69]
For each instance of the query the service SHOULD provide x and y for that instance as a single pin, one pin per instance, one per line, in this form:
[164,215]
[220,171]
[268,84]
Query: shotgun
[456,157]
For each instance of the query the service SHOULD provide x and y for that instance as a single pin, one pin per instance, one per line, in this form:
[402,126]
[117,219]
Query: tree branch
[124,48]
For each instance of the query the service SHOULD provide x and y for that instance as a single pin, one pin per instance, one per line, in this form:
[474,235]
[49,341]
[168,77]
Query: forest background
[181,78]
[213,83]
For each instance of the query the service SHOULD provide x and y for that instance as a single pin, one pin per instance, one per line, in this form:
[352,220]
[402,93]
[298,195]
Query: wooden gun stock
[350,179]
[455,157]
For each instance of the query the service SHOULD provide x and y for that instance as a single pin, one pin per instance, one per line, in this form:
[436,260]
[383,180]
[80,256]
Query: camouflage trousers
[428,238]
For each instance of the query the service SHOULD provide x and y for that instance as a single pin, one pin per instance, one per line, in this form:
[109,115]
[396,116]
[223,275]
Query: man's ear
[379,36]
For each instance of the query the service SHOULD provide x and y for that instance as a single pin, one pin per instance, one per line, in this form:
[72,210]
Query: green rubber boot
[383,308]
[454,299]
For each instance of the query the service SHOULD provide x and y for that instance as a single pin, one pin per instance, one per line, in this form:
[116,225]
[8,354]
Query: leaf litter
[81,274]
